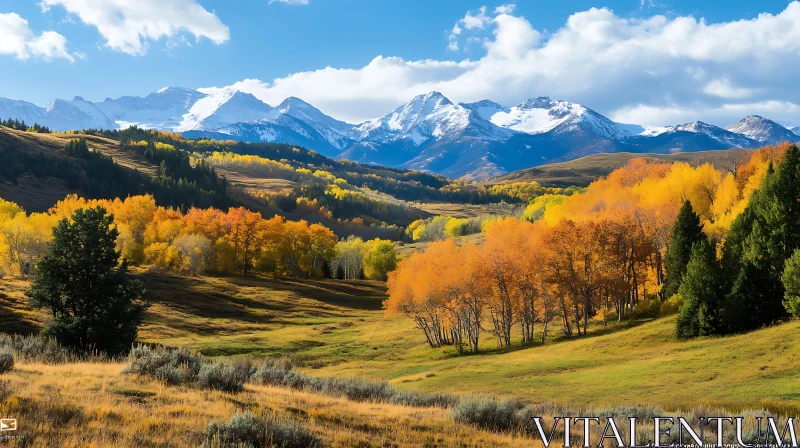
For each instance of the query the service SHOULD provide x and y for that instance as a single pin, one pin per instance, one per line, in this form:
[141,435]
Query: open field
[337,329]
[583,171]
[409,248]
[94,404]
[461,210]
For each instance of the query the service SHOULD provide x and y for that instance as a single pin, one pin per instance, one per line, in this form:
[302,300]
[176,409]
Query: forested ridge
[615,251]
[650,239]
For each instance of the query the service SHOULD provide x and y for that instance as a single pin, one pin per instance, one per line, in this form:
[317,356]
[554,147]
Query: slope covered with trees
[615,250]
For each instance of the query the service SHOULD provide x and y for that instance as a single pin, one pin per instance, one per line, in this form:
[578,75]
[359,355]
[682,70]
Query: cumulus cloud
[653,70]
[17,39]
[505,9]
[290,2]
[128,25]
[724,89]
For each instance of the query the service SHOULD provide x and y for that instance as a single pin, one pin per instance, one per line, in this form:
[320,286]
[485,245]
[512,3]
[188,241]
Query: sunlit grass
[334,328]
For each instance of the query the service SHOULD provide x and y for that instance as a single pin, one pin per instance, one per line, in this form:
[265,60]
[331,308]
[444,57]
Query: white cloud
[476,20]
[724,89]
[655,115]
[17,39]
[290,2]
[473,20]
[654,70]
[128,25]
[505,9]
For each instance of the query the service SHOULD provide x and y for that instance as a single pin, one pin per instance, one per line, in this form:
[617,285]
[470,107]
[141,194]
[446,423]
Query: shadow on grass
[232,298]
[12,321]
[359,295]
[550,340]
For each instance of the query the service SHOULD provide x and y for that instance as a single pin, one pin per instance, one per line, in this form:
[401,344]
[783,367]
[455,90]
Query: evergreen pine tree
[791,283]
[759,243]
[94,304]
[701,290]
[686,232]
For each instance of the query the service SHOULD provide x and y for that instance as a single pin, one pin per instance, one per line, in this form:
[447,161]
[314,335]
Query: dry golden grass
[94,404]
[335,328]
[456,210]
[408,249]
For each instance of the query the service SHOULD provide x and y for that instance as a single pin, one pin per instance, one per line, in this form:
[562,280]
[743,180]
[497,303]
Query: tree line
[21,126]
[99,176]
[196,241]
[754,281]
[620,248]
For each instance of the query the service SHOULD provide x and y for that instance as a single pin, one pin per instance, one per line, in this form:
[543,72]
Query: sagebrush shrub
[487,413]
[39,349]
[228,377]
[272,371]
[252,431]
[175,366]
[278,372]
[6,361]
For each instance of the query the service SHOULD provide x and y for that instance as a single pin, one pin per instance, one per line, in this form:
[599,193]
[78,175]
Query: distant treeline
[98,176]
[407,185]
[21,126]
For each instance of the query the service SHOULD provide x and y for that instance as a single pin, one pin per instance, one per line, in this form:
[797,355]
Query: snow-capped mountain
[224,108]
[722,136]
[159,110]
[430,132]
[541,115]
[762,130]
[231,114]
[77,114]
[424,118]
[22,110]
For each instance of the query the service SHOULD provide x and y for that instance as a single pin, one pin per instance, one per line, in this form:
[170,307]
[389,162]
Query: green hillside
[584,170]
[337,329]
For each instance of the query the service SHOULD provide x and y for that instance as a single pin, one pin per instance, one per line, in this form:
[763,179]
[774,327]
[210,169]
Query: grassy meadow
[95,404]
[335,328]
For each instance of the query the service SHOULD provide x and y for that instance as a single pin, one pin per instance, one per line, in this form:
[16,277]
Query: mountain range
[430,132]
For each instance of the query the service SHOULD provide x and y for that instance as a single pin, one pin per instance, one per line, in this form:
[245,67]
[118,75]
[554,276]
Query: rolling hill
[583,171]
[335,328]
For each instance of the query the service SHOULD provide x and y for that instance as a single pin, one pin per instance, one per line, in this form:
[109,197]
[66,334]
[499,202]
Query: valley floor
[336,328]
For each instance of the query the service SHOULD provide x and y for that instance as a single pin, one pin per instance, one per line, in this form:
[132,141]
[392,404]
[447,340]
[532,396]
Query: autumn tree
[246,236]
[379,260]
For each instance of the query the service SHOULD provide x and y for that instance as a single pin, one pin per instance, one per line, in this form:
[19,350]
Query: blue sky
[502,54]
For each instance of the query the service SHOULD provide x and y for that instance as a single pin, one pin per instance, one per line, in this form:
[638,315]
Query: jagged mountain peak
[433,95]
[762,130]
[223,108]
[428,132]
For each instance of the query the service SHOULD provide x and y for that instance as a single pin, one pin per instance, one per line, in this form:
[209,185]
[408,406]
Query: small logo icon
[8,424]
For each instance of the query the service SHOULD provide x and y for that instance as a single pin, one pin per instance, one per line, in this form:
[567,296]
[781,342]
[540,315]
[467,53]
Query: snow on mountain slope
[22,110]
[429,132]
[541,115]
[485,108]
[335,132]
[63,115]
[160,110]
[716,133]
[427,118]
[762,130]
[223,108]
